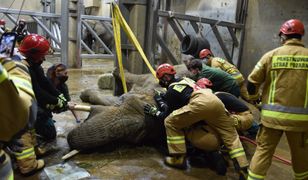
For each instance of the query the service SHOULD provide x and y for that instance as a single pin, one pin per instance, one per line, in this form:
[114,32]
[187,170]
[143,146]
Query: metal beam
[99,18]
[46,30]
[64,32]
[29,13]
[180,16]
[98,56]
[151,28]
[233,36]
[83,44]
[221,43]
[175,28]
[11,18]
[107,28]
[195,26]
[80,10]
[166,49]
[135,2]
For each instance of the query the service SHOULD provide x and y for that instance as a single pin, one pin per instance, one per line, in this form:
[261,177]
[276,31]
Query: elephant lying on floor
[121,119]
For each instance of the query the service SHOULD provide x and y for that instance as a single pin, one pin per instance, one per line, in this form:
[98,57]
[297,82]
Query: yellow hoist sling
[117,21]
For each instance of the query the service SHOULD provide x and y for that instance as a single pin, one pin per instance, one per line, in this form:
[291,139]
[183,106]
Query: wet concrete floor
[131,162]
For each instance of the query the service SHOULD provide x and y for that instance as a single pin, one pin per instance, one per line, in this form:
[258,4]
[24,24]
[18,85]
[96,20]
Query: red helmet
[204,83]
[205,52]
[34,46]
[292,26]
[2,22]
[164,69]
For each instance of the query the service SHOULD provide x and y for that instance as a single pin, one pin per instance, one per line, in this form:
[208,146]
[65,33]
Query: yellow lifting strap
[117,21]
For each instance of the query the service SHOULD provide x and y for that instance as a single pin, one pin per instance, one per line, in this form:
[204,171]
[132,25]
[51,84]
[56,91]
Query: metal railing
[55,27]
[50,26]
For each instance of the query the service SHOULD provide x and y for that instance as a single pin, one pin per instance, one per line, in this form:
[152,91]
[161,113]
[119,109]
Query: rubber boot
[242,171]
[219,164]
[176,161]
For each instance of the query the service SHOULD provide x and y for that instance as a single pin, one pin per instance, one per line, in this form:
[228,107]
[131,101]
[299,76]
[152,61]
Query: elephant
[121,119]
[104,31]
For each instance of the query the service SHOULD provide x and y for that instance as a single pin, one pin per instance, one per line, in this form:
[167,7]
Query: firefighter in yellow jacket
[216,62]
[187,107]
[283,72]
[17,111]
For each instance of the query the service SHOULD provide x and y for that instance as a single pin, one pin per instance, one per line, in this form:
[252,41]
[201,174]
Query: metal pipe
[46,30]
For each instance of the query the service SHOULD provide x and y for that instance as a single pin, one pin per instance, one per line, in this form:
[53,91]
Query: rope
[284,161]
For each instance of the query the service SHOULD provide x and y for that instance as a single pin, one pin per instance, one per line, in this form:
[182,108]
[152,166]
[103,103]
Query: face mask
[63,79]
[163,83]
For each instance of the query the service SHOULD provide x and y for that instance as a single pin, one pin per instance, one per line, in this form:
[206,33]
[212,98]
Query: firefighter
[184,108]
[283,74]
[216,62]
[221,80]
[240,113]
[34,47]
[17,111]
[21,30]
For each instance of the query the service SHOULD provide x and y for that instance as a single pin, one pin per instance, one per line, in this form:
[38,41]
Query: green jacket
[221,80]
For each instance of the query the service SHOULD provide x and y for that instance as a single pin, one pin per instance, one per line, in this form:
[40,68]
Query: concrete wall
[263,23]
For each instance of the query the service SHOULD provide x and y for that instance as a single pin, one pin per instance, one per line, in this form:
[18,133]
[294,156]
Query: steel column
[64,32]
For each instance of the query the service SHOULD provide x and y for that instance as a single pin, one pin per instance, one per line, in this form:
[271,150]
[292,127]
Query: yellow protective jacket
[224,65]
[284,74]
[16,97]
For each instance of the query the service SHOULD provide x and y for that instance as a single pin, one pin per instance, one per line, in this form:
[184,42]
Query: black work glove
[158,96]
[151,110]
[62,105]
[162,105]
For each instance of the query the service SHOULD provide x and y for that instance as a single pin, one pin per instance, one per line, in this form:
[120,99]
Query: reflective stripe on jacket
[16,96]
[229,68]
[179,86]
[284,73]
[19,74]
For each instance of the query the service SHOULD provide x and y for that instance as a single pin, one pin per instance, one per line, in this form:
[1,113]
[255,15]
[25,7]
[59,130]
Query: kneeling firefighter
[186,106]
[18,112]
[34,47]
